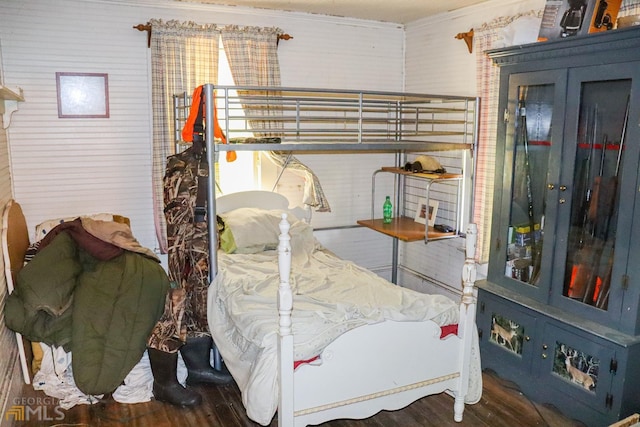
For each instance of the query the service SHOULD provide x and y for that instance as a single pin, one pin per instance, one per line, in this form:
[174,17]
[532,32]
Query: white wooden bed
[381,365]
[374,354]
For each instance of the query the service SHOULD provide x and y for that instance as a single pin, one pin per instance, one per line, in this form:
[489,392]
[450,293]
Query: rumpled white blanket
[331,296]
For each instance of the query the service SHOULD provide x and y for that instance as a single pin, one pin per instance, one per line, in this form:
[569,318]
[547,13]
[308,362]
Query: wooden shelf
[10,95]
[403,228]
[431,176]
[9,104]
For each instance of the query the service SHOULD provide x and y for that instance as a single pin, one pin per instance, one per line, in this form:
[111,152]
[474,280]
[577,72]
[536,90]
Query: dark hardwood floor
[501,405]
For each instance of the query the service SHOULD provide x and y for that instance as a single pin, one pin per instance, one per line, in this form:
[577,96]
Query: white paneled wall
[71,166]
[5,170]
[66,167]
[436,62]
[63,167]
[362,246]
[9,353]
[347,182]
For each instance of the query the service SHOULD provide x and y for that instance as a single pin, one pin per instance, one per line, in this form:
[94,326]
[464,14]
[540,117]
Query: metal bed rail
[322,119]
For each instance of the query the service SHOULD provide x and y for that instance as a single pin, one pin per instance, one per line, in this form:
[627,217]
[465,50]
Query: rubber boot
[196,353]
[166,387]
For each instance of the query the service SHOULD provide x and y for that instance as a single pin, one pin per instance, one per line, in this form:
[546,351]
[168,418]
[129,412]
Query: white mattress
[331,296]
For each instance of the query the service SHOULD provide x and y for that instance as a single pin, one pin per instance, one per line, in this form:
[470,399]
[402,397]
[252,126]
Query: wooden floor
[501,405]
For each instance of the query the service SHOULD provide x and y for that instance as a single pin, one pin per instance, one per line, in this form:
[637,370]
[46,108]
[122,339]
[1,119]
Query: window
[240,175]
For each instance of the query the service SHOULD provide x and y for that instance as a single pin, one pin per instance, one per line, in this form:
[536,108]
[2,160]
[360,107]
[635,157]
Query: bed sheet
[331,296]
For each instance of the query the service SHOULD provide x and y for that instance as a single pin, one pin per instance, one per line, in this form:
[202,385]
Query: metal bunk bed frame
[325,120]
[373,121]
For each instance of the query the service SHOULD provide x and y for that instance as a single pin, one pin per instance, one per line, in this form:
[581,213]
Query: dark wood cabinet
[558,312]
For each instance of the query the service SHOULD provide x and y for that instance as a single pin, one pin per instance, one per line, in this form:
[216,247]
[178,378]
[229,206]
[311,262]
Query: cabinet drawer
[506,335]
[576,366]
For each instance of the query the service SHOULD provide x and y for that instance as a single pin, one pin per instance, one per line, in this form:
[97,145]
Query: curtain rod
[147,27]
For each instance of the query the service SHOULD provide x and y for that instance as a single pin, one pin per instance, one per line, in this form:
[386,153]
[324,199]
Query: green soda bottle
[387,211]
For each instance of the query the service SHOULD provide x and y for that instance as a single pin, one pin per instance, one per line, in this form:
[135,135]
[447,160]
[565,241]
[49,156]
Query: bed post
[285,338]
[212,225]
[467,324]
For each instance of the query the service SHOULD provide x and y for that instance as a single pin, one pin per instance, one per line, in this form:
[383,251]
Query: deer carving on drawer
[503,335]
[577,376]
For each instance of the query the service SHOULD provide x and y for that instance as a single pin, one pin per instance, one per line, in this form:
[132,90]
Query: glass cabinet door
[596,143]
[531,169]
[531,150]
[567,184]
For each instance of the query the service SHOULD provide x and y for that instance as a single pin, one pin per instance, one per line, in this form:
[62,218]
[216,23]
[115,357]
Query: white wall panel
[436,62]
[69,166]
[9,353]
[66,167]
[346,181]
[362,246]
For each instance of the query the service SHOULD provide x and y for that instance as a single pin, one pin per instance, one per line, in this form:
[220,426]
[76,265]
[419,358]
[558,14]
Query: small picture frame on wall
[82,95]
[426,211]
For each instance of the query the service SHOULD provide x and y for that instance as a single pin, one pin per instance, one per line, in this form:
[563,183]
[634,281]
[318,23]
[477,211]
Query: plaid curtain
[488,75]
[629,8]
[183,56]
[252,53]
[253,58]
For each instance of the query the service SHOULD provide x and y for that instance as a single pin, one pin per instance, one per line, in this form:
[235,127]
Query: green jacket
[101,311]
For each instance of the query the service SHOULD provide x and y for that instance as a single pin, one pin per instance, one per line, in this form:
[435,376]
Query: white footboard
[384,366]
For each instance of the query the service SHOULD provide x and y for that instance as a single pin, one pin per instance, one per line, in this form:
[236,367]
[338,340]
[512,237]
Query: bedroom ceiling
[398,11]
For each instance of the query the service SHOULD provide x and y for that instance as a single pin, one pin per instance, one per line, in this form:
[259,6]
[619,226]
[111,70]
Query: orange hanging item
[193,125]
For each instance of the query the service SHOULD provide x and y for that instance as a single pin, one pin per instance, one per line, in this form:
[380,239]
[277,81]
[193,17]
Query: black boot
[166,387]
[196,353]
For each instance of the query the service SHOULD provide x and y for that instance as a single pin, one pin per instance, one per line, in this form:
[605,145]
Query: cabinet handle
[527,338]
[551,186]
[561,201]
[563,188]
[544,355]
[544,346]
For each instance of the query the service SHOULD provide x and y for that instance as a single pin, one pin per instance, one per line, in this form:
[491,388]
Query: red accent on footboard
[448,330]
[302,362]
[444,332]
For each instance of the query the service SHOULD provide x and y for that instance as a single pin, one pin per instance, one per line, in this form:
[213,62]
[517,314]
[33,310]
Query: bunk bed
[384,356]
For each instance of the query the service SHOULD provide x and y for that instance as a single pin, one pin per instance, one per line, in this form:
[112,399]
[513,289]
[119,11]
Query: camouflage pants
[185,313]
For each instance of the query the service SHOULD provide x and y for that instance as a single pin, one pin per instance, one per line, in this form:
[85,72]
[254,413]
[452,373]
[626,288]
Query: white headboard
[259,199]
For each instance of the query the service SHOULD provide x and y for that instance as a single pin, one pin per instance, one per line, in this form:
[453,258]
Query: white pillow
[253,230]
